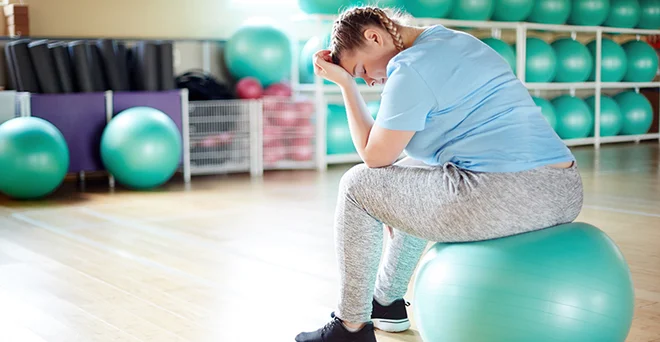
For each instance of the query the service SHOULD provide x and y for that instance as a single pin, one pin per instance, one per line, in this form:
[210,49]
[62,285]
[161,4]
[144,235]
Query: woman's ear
[373,36]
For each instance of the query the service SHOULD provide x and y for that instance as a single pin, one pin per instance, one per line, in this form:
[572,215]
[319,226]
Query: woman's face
[369,62]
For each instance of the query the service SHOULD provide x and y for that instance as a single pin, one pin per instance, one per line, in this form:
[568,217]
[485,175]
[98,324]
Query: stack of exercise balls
[338,134]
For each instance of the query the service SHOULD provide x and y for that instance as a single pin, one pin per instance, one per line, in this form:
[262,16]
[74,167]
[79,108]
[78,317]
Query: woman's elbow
[374,163]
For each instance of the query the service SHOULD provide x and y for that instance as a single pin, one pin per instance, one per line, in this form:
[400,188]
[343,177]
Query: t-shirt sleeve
[406,101]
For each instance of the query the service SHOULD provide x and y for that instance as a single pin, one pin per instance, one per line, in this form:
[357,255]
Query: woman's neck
[409,34]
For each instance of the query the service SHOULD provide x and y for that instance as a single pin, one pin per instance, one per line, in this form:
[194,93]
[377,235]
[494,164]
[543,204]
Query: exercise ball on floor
[574,61]
[323,6]
[34,158]
[589,12]
[623,13]
[611,119]
[472,9]
[614,62]
[541,61]
[574,119]
[339,135]
[512,10]
[429,8]
[637,112]
[650,14]
[550,11]
[547,110]
[642,61]
[503,49]
[261,51]
[566,283]
[141,147]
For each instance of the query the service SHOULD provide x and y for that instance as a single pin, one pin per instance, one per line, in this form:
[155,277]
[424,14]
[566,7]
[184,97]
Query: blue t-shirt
[466,106]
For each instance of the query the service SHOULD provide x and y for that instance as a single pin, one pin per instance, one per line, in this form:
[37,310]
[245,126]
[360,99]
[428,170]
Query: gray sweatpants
[443,204]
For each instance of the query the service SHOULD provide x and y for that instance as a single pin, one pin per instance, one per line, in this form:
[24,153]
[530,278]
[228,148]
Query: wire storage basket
[222,136]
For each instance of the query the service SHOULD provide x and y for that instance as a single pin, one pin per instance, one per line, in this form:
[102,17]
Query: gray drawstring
[454,177]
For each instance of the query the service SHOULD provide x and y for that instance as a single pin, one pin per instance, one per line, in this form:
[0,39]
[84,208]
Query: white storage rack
[324,93]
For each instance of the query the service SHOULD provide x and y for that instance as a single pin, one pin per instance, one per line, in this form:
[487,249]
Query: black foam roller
[63,66]
[96,66]
[44,65]
[166,65]
[13,82]
[122,66]
[131,56]
[26,79]
[79,51]
[108,51]
[146,62]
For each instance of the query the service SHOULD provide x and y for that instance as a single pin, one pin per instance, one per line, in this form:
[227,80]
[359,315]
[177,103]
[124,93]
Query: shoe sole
[392,325]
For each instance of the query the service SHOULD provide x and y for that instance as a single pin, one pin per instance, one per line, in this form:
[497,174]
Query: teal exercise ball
[574,61]
[614,62]
[568,283]
[472,9]
[637,112]
[429,8]
[589,12]
[512,10]
[611,118]
[642,61]
[323,6]
[141,147]
[260,51]
[650,14]
[624,13]
[547,110]
[550,11]
[541,61]
[503,49]
[34,158]
[396,4]
[574,119]
[305,62]
[339,139]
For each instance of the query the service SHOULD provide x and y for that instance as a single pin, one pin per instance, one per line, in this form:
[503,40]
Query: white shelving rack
[321,92]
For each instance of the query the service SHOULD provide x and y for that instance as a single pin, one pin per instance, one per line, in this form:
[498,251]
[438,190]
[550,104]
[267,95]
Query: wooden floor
[235,259]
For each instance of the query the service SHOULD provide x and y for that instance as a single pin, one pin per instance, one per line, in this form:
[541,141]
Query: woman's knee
[355,180]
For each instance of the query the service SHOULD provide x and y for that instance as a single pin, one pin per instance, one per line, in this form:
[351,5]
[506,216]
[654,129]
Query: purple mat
[81,118]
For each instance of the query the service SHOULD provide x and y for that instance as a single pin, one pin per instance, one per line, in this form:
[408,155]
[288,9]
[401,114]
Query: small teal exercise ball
[34,158]
[637,112]
[429,8]
[547,110]
[574,61]
[339,139]
[589,12]
[261,51]
[611,118]
[323,6]
[624,13]
[512,10]
[642,61]
[574,119]
[541,61]
[503,49]
[550,11]
[614,62]
[650,14]
[472,9]
[141,147]
[567,283]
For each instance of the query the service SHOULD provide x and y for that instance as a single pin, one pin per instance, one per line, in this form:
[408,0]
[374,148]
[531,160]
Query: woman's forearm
[360,121]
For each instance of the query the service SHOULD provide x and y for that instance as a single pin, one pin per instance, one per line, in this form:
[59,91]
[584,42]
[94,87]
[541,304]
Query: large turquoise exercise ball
[472,9]
[323,6]
[614,62]
[589,12]
[650,16]
[541,61]
[503,49]
[548,111]
[305,62]
[141,147]
[396,4]
[512,10]
[574,61]
[637,112]
[574,119]
[624,13]
[261,51]
[642,61]
[550,11]
[567,283]
[339,139]
[34,158]
[611,118]
[429,8]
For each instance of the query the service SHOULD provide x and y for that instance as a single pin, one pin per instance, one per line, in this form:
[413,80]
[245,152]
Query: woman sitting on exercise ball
[483,162]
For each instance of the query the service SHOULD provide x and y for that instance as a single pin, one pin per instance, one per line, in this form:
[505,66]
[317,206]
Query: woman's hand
[323,67]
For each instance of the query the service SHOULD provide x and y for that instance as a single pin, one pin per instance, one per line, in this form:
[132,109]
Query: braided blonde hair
[348,29]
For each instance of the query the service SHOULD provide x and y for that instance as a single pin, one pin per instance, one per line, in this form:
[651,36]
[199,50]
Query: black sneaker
[391,318]
[335,331]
